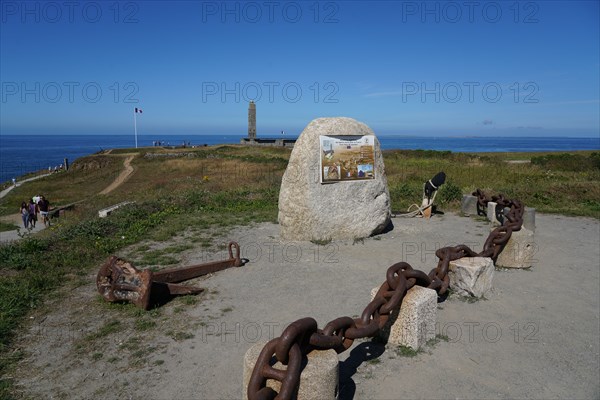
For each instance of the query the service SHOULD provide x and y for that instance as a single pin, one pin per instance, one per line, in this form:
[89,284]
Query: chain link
[303,335]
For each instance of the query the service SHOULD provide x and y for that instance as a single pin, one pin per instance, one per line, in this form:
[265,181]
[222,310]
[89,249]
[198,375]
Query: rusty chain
[302,336]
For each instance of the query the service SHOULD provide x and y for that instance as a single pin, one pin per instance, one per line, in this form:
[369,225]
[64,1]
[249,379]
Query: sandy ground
[122,176]
[535,336]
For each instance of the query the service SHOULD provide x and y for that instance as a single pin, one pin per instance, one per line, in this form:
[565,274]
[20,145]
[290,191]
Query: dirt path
[122,176]
[535,336]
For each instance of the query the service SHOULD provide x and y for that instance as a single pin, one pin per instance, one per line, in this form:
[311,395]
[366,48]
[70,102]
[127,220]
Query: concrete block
[318,380]
[471,276]
[468,205]
[414,324]
[529,219]
[105,212]
[491,213]
[519,251]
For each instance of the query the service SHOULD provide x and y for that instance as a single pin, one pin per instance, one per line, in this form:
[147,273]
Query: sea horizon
[22,154]
[278,135]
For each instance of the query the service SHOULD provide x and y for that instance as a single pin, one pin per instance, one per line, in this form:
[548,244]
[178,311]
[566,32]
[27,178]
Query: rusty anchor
[119,281]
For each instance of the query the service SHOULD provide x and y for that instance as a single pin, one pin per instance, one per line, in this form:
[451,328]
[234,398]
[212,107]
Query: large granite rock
[311,210]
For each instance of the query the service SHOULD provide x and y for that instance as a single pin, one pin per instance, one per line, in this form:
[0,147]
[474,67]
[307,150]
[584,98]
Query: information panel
[347,158]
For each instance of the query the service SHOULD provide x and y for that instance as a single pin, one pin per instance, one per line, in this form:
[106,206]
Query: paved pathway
[5,191]
[9,236]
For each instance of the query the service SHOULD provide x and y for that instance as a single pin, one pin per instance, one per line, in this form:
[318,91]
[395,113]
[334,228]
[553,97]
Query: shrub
[568,162]
[449,193]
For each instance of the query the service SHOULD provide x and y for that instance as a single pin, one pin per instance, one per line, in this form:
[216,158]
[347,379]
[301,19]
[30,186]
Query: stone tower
[252,120]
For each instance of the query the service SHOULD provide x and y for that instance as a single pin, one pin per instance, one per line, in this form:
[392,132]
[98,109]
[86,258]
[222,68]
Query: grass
[7,226]
[405,351]
[437,339]
[210,189]
[554,183]
[88,175]
[144,324]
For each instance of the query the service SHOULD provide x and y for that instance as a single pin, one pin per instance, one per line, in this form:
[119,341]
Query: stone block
[529,219]
[105,212]
[318,380]
[414,324]
[519,251]
[491,213]
[468,205]
[471,276]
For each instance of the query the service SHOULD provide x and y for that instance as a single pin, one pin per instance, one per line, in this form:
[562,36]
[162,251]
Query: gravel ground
[536,335]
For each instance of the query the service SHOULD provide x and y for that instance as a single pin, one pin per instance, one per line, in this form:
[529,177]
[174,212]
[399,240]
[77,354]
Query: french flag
[138,110]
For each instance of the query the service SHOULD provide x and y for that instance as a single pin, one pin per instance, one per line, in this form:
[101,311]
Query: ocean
[22,154]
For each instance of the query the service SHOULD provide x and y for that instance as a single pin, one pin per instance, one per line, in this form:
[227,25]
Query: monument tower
[252,120]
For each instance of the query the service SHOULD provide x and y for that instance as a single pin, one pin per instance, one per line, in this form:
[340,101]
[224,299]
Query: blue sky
[411,68]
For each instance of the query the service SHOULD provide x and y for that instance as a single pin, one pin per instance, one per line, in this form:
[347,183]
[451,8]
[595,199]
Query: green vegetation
[405,351]
[88,175]
[437,339]
[206,191]
[7,226]
[551,182]
[568,162]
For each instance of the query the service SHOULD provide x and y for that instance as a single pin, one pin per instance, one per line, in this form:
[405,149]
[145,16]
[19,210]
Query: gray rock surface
[519,251]
[491,214]
[310,210]
[468,206]
[414,323]
[471,276]
[529,219]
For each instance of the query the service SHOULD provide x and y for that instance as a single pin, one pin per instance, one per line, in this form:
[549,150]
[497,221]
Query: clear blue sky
[412,68]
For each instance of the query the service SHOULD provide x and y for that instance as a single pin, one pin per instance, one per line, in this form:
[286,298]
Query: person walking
[43,206]
[25,214]
[32,209]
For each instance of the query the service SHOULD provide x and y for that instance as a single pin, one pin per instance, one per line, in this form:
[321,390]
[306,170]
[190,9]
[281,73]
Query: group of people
[57,168]
[29,211]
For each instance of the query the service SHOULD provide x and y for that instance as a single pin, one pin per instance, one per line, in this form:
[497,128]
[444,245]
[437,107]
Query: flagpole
[135,127]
